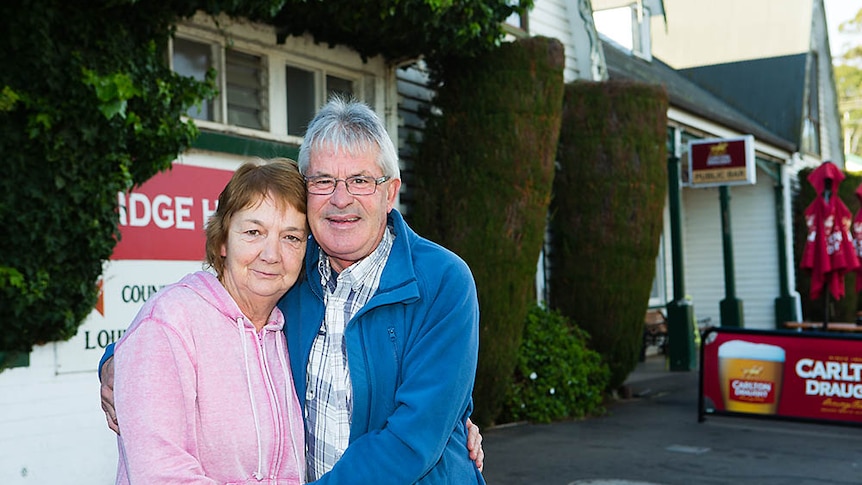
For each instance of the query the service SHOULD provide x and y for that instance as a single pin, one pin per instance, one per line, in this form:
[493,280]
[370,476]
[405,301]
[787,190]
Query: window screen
[246,90]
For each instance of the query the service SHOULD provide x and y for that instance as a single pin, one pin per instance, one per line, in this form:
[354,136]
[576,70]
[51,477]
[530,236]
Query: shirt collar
[360,270]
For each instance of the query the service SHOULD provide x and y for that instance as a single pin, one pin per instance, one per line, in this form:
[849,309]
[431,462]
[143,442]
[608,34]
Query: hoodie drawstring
[288,392]
[258,474]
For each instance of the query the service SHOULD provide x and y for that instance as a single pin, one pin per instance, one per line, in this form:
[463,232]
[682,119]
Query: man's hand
[474,441]
[107,391]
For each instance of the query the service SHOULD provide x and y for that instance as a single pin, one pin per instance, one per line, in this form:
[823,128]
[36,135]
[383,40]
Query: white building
[733,69]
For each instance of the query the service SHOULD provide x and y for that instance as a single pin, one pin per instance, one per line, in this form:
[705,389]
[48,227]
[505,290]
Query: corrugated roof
[685,94]
[771,90]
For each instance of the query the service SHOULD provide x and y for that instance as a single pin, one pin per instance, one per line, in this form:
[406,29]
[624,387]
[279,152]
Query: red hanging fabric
[829,251]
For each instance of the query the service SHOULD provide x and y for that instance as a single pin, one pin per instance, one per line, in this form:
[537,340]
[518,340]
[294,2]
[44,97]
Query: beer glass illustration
[750,376]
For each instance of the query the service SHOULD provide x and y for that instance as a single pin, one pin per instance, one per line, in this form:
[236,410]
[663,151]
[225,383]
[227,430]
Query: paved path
[655,438]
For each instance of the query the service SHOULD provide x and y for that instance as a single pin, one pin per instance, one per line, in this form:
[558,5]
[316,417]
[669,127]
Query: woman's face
[263,254]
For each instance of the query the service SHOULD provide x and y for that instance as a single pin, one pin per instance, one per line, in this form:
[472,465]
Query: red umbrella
[829,252]
[857,238]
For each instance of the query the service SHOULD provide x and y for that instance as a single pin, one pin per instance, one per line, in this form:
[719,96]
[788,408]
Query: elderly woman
[203,386]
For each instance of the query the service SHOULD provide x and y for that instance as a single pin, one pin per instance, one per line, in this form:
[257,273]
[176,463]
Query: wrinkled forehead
[339,146]
[281,201]
[365,155]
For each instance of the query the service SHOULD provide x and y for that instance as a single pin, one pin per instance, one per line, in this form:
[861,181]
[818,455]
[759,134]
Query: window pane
[300,100]
[810,136]
[811,127]
[246,90]
[616,24]
[657,292]
[515,18]
[340,86]
[193,59]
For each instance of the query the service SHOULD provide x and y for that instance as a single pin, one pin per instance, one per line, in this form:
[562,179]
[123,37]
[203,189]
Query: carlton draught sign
[782,374]
[162,227]
[721,161]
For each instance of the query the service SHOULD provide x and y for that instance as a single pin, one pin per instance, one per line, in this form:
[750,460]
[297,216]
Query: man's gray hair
[352,127]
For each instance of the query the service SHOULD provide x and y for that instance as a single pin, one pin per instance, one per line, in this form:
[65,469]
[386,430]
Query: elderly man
[385,349]
[383,331]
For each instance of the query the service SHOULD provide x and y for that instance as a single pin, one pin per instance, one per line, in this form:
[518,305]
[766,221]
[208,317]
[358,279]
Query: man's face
[348,227]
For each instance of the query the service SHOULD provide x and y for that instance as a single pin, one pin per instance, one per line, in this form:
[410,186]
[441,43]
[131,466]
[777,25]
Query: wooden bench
[655,332]
[830,326]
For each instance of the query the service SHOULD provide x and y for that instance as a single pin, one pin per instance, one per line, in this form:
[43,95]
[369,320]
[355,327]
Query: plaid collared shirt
[329,395]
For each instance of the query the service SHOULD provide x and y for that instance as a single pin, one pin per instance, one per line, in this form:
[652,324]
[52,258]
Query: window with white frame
[627,26]
[300,99]
[301,105]
[658,292]
[246,88]
[516,22]
[811,122]
[261,88]
[194,59]
[244,83]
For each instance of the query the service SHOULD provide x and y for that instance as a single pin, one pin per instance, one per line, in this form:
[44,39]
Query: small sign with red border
[721,161]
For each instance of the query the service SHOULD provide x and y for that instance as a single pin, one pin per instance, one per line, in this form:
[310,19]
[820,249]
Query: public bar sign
[721,161]
[807,376]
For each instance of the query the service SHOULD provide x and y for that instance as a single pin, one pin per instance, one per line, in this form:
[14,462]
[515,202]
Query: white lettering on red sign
[163,211]
[164,218]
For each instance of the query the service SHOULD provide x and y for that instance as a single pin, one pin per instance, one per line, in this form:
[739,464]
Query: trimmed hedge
[607,212]
[483,184]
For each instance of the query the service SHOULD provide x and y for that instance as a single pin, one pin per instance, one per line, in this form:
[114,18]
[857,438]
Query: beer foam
[742,349]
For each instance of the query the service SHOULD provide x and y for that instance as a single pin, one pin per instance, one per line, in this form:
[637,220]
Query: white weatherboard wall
[571,23]
[551,19]
[755,251]
[53,429]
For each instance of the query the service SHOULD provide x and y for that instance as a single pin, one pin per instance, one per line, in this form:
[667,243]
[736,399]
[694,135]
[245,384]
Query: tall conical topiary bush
[483,183]
[607,213]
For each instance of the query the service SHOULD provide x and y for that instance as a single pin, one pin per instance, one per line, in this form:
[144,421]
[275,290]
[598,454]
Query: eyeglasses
[358,185]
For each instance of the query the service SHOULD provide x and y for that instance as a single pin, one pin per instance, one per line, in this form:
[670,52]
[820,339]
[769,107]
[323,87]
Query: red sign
[721,161]
[800,375]
[165,218]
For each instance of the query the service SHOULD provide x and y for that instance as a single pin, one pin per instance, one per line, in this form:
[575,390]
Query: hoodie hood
[226,404]
[210,289]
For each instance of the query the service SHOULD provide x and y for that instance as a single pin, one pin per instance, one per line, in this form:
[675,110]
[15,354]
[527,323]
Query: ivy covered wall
[88,111]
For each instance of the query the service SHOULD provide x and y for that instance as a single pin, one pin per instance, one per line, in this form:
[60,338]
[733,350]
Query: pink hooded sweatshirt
[202,397]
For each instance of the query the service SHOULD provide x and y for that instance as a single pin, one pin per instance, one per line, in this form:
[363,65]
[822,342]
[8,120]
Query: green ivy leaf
[113,108]
[8,99]
[113,91]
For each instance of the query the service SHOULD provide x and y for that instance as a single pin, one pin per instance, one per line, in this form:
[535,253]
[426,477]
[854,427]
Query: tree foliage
[89,108]
[402,29]
[848,83]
